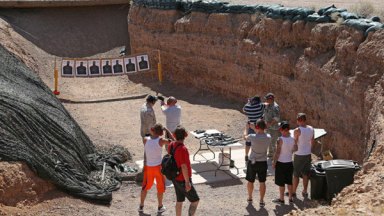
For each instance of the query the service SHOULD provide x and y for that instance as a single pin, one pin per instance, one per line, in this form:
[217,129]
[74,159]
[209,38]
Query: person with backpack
[282,162]
[183,181]
[153,146]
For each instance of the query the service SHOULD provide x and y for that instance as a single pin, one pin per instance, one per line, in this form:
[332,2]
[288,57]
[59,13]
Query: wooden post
[159,69]
[56,79]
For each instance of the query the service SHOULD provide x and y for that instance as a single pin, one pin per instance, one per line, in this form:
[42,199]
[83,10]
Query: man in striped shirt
[254,110]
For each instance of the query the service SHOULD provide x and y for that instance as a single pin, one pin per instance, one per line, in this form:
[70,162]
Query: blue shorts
[250,131]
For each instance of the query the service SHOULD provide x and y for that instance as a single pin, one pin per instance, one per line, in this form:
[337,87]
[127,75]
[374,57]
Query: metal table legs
[222,161]
[203,144]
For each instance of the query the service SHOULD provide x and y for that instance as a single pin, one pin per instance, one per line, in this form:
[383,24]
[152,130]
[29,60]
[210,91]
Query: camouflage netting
[323,15]
[37,129]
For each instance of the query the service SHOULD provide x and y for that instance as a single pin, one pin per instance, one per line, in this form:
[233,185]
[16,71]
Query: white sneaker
[141,209]
[161,209]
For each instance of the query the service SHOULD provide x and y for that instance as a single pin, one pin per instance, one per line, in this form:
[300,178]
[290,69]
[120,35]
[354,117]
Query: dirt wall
[325,70]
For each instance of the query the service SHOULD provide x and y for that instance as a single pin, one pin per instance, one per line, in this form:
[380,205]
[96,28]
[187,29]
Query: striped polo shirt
[254,111]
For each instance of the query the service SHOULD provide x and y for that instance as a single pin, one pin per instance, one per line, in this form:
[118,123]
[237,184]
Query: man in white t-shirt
[172,112]
[304,139]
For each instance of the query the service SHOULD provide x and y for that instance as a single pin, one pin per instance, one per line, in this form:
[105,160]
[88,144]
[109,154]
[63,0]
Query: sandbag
[322,10]
[375,19]
[347,15]
[312,17]
[359,24]
[333,10]
[376,26]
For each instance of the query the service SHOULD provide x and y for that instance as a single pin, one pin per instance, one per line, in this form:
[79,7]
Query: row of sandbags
[323,15]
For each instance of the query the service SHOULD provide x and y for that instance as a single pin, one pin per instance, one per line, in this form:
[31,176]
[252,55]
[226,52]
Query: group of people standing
[175,134]
[268,137]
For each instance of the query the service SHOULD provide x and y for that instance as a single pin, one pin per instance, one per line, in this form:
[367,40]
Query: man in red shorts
[153,146]
[183,182]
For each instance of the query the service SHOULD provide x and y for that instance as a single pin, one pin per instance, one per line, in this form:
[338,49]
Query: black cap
[269,96]
[255,99]
[284,125]
[151,99]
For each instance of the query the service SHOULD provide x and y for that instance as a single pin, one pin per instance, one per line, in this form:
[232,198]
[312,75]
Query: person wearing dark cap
[272,118]
[282,162]
[304,138]
[254,110]
[147,116]
[147,120]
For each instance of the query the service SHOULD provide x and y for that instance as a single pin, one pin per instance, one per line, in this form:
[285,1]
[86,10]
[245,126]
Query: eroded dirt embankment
[326,70]
[330,71]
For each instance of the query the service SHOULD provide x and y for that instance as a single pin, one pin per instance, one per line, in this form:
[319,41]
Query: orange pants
[150,174]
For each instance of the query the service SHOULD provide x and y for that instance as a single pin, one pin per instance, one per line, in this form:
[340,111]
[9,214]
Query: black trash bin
[318,181]
[338,174]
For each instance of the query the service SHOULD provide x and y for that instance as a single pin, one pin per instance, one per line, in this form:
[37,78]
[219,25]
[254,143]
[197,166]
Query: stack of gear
[37,129]
[218,139]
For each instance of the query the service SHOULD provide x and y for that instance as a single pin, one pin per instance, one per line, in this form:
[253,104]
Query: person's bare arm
[296,134]
[277,153]
[313,140]
[184,171]
[245,133]
[170,135]
[164,141]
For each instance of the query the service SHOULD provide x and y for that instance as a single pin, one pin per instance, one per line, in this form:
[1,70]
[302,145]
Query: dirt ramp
[72,31]
[19,185]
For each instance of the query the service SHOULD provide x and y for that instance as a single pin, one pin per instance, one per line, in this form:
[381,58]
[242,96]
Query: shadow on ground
[185,93]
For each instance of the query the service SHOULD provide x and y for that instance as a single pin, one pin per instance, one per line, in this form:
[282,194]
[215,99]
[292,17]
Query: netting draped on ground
[37,129]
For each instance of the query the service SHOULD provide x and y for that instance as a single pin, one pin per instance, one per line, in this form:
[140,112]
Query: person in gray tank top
[257,163]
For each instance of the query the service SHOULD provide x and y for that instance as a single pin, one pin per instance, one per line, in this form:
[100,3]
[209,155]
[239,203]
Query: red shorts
[150,174]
